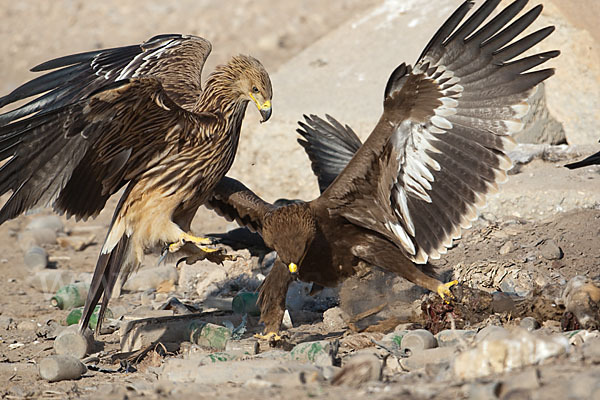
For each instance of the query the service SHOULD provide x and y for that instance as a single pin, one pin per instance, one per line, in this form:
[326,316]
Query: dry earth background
[324,57]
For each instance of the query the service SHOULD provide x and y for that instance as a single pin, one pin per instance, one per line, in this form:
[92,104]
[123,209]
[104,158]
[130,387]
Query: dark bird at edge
[133,117]
[438,149]
[594,159]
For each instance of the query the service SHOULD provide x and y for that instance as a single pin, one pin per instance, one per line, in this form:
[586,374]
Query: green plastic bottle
[246,303]
[75,316]
[70,296]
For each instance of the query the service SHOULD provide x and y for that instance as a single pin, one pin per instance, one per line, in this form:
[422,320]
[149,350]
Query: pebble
[418,340]
[358,370]
[333,319]
[529,323]
[550,250]
[582,298]
[506,248]
[61,367]
[27,325]
[35,258]
[73,343]
[454,337]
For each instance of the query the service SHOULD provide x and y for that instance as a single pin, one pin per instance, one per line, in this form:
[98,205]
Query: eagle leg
[443,290]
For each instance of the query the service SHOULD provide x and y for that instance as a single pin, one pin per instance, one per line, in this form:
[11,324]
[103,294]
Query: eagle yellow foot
[185,238]
[444,290]
[271,336]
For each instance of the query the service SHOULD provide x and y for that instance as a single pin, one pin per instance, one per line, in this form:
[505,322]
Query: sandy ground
[542,203]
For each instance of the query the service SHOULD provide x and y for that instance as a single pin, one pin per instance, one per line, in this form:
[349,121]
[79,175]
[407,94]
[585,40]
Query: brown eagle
[438,149]
[135,117]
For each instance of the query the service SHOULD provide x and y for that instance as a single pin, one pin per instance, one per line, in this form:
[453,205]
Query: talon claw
[444,290]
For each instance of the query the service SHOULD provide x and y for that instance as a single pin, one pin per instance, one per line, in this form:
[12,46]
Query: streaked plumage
[438,149]
[134,117]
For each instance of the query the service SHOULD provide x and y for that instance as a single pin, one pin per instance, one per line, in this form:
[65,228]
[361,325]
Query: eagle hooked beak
[264,108]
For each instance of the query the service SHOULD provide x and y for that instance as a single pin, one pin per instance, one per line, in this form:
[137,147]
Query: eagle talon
[271,337]
[444,290]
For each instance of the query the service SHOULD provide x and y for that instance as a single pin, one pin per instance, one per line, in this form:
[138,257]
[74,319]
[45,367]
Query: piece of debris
[74,343]
[71,296]
[61,367]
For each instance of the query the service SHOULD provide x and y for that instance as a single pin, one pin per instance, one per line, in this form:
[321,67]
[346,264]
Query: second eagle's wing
[234,201]
[439,147]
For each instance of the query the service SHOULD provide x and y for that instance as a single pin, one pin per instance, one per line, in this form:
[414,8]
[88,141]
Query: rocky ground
[526,317]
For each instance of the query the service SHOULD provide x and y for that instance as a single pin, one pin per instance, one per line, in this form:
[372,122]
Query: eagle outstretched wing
[76,156]
[77,76]
[234,201]
[439,147]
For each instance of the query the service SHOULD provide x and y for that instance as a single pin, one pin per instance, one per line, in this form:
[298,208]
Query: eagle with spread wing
[402,196]
[134,117]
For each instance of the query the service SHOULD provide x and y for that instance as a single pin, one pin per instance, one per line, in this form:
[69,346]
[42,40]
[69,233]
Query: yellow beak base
[293,268]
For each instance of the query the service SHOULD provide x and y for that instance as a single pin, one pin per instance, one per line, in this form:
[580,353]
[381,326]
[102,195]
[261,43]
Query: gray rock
[333,319]
[491,332]
[582,298]
[529,323]
[506,248]
[539,125]
[550,250]
[358,370]
[61,367]
[27,325]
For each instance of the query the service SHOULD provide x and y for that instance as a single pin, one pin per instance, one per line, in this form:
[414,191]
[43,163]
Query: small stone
[333,319]
[73,343]
[550,250]
[418,340]
[359,369]
[529,323]
[61,367]
[27,325]
[506,248]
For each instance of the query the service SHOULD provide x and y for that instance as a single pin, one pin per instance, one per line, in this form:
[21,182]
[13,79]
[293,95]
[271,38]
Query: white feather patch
[401,234]
[441,122]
